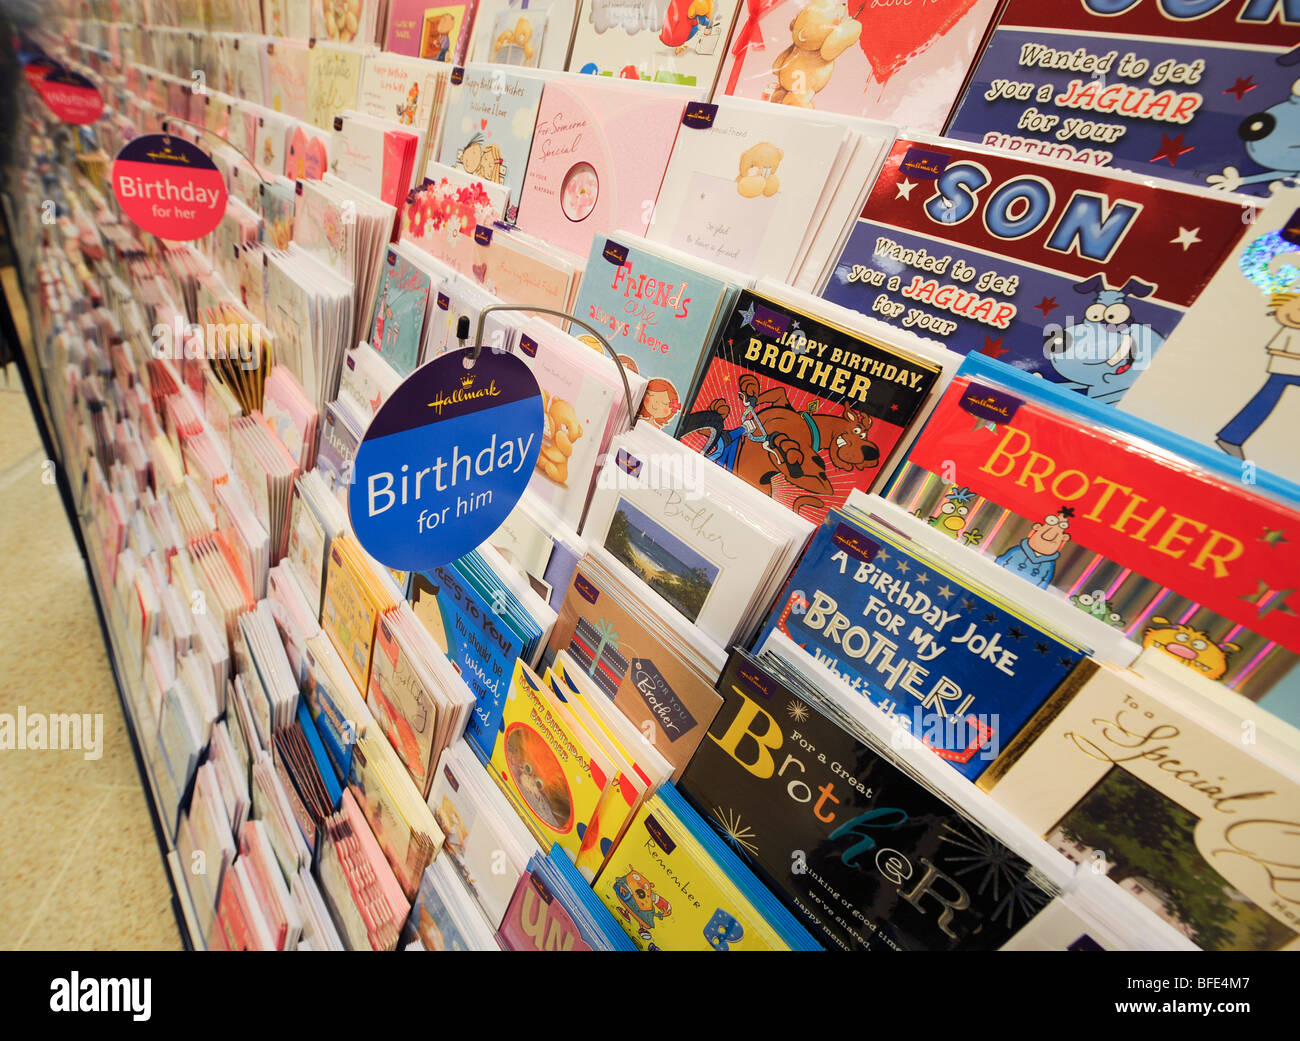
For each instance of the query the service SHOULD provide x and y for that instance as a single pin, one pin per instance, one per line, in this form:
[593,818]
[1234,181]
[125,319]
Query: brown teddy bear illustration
[821,32]
[560,429]
[758,170]
[521,37]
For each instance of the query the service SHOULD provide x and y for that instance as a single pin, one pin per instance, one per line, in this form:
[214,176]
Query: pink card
[599,153]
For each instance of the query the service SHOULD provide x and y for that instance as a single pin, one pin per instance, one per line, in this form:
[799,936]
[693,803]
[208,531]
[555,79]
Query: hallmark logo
[923,164]
[989,404]
[93,994]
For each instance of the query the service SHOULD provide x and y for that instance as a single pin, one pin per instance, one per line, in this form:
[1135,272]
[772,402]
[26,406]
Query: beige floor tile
[111,893]
[79,863]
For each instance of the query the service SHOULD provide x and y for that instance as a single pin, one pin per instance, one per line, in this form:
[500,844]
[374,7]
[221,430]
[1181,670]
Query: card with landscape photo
[661,560]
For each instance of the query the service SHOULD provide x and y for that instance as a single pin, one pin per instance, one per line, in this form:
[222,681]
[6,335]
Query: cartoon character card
[1071,274]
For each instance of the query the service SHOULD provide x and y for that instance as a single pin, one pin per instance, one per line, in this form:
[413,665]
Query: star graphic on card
[903,567]
[905,189]
[922,579]
[893,407]
[1186,237]
[1048,305]
[748,315]
[1273,537]
[882,556]
[993,347]
[1243,86]
[1267,599]
[1171,148]
[946,591]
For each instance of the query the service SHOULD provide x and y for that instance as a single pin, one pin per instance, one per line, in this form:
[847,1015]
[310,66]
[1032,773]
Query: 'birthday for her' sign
[169,187]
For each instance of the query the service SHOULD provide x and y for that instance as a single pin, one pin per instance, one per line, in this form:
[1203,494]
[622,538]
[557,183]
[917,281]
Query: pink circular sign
[169,187]
[70,96]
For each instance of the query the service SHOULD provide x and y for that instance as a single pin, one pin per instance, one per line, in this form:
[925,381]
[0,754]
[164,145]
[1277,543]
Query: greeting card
[287,66]
[684,44]
[333,80]
[744,183]
[1196,92]
[899,62]
[599,153]
[489,126]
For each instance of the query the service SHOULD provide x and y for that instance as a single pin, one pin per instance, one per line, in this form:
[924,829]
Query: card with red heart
[901,61]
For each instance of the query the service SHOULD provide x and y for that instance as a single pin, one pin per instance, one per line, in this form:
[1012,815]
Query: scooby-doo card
[1077,275]
[1144,530]
[802,410]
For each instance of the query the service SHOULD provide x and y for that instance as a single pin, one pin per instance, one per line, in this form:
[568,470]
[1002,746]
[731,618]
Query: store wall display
[783,573]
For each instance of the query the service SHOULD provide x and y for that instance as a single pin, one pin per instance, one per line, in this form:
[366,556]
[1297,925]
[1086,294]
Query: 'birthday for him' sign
[445,459]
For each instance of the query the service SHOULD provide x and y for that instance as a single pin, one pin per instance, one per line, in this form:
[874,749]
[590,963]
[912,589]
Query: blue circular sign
[445,459]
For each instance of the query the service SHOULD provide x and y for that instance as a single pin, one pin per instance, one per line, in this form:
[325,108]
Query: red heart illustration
[480,271]
[482,124]
[892,35]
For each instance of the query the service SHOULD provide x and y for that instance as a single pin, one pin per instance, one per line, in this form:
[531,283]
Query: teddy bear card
[600,148]
[903,63]
[517,38]
[488,128]
[730,194]
[530,33]
[1203,93]
[585,406]
[345,21]
[634,40]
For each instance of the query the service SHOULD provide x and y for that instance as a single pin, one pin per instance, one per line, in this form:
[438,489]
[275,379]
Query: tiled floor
[80,868]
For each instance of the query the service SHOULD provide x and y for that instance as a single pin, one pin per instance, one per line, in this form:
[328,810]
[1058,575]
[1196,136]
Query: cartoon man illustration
[1283,372]
[1034,558]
